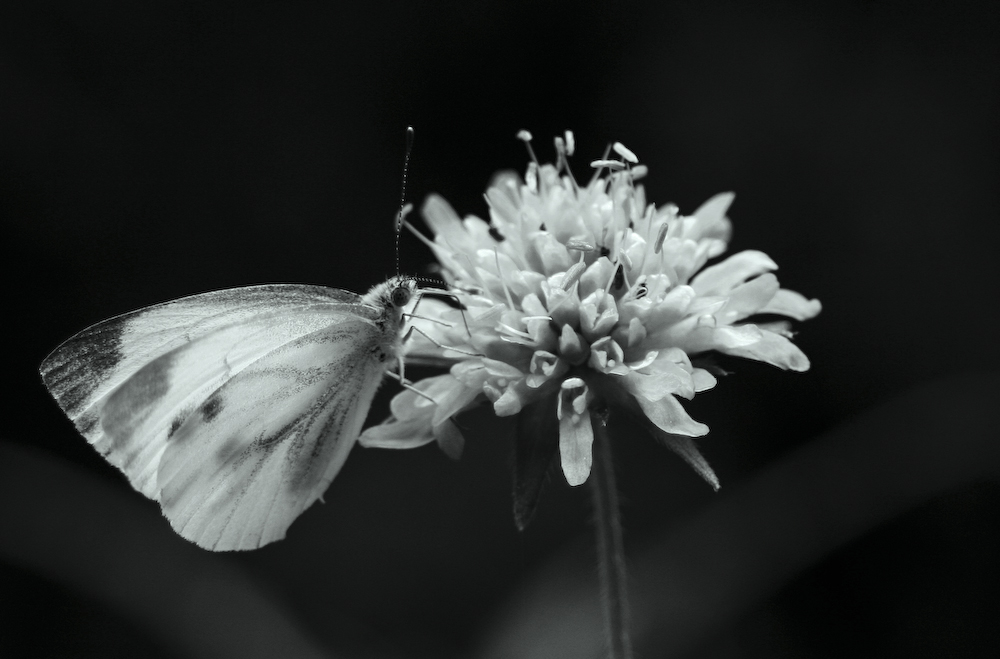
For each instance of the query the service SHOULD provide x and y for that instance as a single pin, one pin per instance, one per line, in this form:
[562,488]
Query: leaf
[535,451]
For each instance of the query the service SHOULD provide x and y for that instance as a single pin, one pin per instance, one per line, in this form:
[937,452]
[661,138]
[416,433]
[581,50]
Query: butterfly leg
[406,384]
[458,301]
[412,328]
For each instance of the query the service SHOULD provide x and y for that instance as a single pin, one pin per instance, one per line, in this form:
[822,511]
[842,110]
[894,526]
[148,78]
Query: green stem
[610,549]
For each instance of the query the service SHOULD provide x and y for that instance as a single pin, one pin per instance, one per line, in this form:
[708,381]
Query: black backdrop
[151,150]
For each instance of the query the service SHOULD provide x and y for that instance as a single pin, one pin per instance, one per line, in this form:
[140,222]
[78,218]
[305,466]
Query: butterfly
[234,409]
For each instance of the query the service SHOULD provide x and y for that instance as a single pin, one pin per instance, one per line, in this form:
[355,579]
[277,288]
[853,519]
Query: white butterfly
[236,408]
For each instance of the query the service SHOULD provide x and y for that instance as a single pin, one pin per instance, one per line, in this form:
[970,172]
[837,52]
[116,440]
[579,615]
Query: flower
[588,297]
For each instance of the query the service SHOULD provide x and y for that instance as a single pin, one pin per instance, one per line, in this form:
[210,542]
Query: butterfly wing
[268,442]
[132,382]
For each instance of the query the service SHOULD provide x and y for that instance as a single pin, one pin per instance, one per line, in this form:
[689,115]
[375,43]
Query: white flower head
[589,297]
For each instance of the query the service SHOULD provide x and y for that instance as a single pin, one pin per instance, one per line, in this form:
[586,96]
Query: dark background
[151,150]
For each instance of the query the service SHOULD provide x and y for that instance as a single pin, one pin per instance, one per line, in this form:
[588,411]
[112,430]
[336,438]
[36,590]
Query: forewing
[266,445]
[129,382]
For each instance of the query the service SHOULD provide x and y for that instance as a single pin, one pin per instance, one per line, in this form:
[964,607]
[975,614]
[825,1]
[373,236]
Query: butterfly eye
[400,296]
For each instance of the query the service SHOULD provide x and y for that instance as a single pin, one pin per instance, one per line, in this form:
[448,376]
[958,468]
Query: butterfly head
[392,295]
[402,291]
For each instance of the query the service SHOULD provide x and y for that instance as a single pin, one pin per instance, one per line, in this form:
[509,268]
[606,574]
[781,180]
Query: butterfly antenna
[402,191]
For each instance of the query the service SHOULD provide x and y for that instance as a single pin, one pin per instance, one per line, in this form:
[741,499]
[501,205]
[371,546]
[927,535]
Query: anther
[624,152]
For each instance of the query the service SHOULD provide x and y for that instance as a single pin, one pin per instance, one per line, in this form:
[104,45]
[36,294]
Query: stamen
[513,331]
[624,152]
[625,258]
[474,273]
[503,282]
[525,137]
[580,246]
[597,172]
[518,341]
[613,165]
[563,163]
[660,237]
[573,275]
[531,177]
[564,298]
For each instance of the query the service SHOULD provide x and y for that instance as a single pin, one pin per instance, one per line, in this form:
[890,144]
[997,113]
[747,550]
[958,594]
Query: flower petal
[552,256]
[694,337]
[670,309]
[721,278]
[596,277]
[572,347]
[703,380]
[397,434]
[470,372]
[576,440]
[712,220]
[772,349]
[448,227]
[499,369]
[576,435]
[408,404]
[661,378]
[544,366]
[792,304]
[607,357]
[450,439]
[513,398]
[748,298]
[668,415]
[504,199]
[450,402]
[598,315]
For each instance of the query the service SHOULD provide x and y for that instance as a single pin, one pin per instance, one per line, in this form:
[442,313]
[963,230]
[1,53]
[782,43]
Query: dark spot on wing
[211,408]
[229,448]
[133,401]
[542,227]
[175,424]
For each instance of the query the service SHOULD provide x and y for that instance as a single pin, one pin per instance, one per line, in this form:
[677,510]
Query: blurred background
[153,150]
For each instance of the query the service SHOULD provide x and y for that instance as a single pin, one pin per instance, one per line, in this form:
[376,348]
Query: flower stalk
[610,548]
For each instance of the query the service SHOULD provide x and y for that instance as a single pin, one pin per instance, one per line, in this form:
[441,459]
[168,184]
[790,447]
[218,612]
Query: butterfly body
[236,408]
